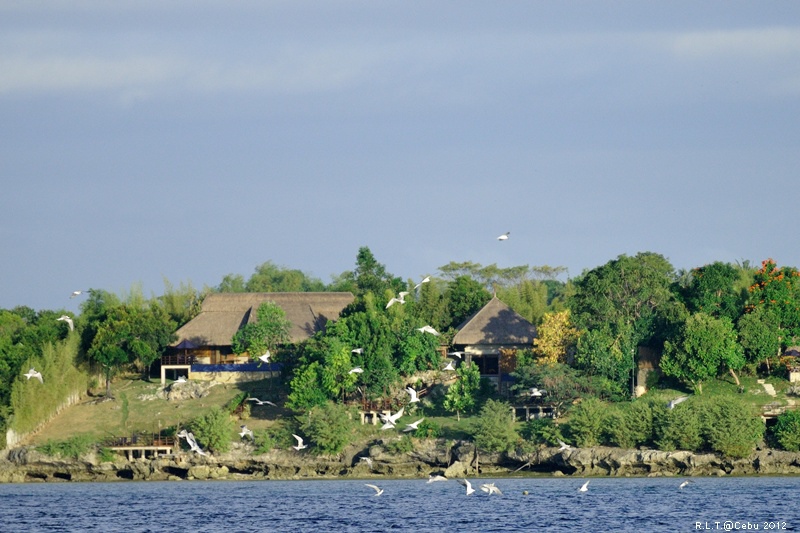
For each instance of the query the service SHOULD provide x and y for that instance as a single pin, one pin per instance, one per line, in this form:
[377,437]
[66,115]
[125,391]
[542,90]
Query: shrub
[73,447]
[213,430]
[629,425]
[542,431]
[679,428]
[586,422]
[427,429]
[787,431]
[730,427]
[329,427]
[494,430]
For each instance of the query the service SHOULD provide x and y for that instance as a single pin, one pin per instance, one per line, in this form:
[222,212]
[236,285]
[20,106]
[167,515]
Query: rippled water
[552,504]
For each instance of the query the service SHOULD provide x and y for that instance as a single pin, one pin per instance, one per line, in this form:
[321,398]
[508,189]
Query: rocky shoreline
[452,459]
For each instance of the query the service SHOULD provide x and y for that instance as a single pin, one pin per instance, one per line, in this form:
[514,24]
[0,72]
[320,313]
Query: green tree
[464,297]
[329,426]
[702,348]
[587,421]
[460,396]
[715,290]
[679,428]
[269,277]
[270,330]
[787,431]
[759,335]
[213,430]
[555,337]
[630,302]
[731,427]
[306,388]
[232,283]
[494,431]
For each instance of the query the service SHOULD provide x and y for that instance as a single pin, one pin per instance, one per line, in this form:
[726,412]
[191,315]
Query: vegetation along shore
[629,369]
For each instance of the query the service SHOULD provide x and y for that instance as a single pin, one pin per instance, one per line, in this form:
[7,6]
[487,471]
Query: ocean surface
[551,505]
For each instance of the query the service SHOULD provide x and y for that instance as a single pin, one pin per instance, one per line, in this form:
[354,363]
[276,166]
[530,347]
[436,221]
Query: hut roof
[495,323]
[223,314]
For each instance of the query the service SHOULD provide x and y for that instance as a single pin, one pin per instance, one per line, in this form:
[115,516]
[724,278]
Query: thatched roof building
[490,339]
[497,325]
[223,314]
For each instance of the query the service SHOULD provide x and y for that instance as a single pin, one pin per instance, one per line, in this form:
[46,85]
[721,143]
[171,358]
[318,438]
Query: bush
[679,428]
[329,427]
[494,430]
[399,446]
[629,425]
[730,427]
[428,429]
[587,421]
[73,447]
[542,431]
[787,431]
[213,430]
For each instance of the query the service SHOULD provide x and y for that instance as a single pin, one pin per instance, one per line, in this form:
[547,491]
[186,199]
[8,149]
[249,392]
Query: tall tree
[460,396]
[555,337]
[270,277]
[715,290]
[703,347]
[777,291]
[628,302]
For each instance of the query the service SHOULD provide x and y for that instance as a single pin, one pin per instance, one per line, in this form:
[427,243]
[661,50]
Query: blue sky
[144,140]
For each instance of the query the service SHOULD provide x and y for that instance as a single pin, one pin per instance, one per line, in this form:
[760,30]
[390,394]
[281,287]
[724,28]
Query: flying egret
[261,402]
[536,392]
[490,488]
[413,426]
[246,431]
[401,299]
[584,487]
[68,320]
[265,358]
[392,418]
[357,350]
[467,484]
[378,491]
[449,366]
[564,445]
[684,484]
[387,425]
[456,354]
[411,392]
[300,445]
[437,477]
[356,370]
[428,329]
[426,280]
[180,379]
[676,401]
[504,236]
[32,373]
[367,460]
[75,293]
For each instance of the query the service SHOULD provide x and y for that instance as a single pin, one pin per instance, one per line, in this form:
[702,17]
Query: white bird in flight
[367,460]
[180,379]
[265,358]
[413,426]
[357,350]
[261,402]
[684,484]
[676,401]
[467,484]
[428,329]
[401,299]
[490,488]
[536,392]
[356,370]
[387,425]
[564,445]
[449,366]
[378,490]
[504,236]
[392,418]
[246,431]
[75,293]
[68,320]
[584,487]
[432,478]
[300,445]
[411,392]
[426,280]
[189,436]
[456,354]
[32,373]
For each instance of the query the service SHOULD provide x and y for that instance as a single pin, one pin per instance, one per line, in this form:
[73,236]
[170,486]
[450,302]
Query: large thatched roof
[223,314]
[495,323]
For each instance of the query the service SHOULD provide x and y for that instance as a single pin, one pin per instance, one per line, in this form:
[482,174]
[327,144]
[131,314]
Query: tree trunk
[735,377]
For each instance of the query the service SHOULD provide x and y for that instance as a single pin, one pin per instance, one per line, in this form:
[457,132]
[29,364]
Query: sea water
[330,506]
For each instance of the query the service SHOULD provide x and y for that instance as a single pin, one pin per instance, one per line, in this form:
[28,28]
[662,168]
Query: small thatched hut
[223,314]
[490,339]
